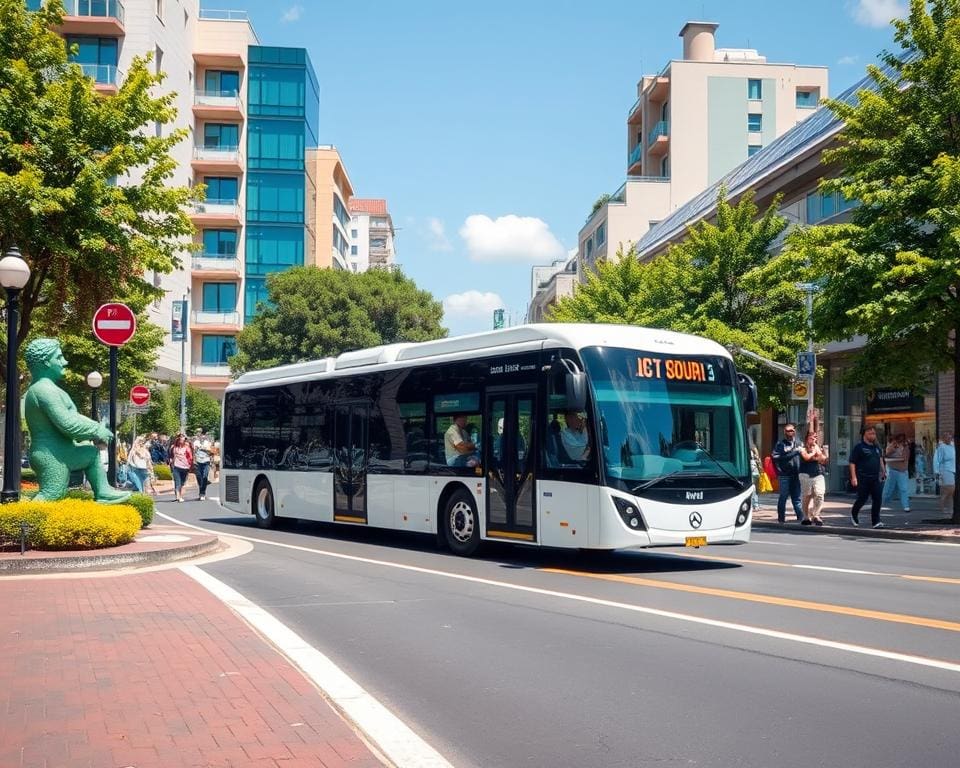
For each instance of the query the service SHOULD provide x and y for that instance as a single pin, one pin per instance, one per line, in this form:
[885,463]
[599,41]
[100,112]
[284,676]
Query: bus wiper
[651,483]
[736,480]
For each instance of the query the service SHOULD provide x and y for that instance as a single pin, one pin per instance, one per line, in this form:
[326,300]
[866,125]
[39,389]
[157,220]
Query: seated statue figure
[59,435]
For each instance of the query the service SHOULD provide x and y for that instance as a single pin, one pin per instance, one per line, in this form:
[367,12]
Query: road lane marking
[819,642]
[754,597]
[391,735]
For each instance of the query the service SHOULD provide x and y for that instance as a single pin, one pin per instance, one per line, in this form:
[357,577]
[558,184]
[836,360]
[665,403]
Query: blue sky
[491,128]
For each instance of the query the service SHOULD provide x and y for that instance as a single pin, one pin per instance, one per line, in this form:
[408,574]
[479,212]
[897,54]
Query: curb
[101,560]
[868,533]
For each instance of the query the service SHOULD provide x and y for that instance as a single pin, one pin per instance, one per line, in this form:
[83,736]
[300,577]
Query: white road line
[819,642]
[397,741]
[834,569]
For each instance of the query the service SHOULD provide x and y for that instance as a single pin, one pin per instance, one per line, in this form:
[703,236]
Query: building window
[276,198]
[219,297]
[754,90]
[752,149]
[220,243]
[222,188]
[822,205]
[589,247]
[97,56]
[219,82]
[754,122]
[807,98]
[215,350]
[353,250]
[601,234]
[353,234]
[665,167]
[221,136]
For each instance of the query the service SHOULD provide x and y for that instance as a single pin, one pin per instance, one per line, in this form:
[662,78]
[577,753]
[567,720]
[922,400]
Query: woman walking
[813,485]
[181,457]
[139,463]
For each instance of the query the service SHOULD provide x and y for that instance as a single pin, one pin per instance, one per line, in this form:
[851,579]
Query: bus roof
[576,335]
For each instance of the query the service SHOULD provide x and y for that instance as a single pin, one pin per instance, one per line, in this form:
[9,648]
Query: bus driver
[576,439]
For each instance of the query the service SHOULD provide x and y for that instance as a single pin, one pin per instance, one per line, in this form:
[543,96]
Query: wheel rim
[462,522]
[264,504]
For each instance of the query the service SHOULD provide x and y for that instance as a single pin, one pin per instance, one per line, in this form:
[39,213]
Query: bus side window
[414,419]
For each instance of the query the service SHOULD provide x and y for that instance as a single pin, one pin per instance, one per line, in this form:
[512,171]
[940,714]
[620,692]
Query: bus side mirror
[748,393]
[575,389]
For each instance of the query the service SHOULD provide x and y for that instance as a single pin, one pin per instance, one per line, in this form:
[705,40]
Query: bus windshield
[667,418]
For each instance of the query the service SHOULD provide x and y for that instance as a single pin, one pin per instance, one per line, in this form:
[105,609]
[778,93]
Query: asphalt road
[793,650]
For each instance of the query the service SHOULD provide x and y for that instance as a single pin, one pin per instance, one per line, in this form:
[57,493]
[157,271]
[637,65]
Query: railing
[229,99]
[634,107]
[216,207]
[636,154]
[210,369]
[662,128]
[215,14]
[102,74]
[202,317]
[224,153]
[216,262]
[112,9]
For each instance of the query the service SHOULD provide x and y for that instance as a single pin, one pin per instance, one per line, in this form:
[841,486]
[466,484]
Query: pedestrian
[202,453]
[215,460]
[181,458]
[867,473]
[896,456]
[786,458]
[756,469]
[813,486]
[945,468]
[139,464]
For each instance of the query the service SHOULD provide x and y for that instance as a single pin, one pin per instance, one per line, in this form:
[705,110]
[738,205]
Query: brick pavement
[151,670]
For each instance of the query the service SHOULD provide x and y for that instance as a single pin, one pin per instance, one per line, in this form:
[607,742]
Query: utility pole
[810,289]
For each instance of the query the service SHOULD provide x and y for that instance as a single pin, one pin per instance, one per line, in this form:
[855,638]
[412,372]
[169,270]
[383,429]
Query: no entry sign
[114,324]
[139,395]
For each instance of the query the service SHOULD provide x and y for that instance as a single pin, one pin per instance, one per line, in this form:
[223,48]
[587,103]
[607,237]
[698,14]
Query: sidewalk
[925,522]
[149,669]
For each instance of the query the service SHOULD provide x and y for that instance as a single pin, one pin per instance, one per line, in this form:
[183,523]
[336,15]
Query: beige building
[551,286]
[332,209]
[701,116]
[371,235]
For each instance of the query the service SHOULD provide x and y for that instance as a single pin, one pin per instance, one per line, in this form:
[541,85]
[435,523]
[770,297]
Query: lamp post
[94,380]
[14,274]
[810,289]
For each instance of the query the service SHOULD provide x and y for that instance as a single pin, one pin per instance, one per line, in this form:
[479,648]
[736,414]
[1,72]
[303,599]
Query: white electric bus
[369,438]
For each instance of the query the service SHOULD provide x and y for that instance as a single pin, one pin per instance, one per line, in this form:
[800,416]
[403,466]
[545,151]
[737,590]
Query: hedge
[139,501]
[162,472]
[69,523]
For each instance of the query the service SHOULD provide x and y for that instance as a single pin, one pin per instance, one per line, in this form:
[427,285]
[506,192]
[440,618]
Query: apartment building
[253,114]
[691,123]
[371,235]
[550,284]
[332,213]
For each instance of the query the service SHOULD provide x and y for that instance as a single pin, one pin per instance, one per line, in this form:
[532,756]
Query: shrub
[144,505]
[162,472]
[28,475]
[70,523]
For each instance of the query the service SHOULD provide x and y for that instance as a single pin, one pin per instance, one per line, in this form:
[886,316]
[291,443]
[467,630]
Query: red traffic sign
[114,324]
[140,395]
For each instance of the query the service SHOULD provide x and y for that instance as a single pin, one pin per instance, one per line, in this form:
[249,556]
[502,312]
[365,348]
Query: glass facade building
[283,108]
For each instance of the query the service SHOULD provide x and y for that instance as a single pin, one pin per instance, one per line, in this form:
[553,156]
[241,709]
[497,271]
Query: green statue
[58,433]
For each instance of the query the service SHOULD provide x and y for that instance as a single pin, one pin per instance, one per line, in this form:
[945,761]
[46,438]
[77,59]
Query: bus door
[509,457]
[350,463]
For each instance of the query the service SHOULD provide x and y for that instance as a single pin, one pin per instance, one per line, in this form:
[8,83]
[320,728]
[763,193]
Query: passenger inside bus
[458,448]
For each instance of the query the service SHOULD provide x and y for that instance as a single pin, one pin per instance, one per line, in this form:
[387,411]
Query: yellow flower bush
[69,523]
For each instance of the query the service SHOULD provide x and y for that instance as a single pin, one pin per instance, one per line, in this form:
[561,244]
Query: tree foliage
[163,415]
[85,186]
[717,283]
[313,313]
[893,273]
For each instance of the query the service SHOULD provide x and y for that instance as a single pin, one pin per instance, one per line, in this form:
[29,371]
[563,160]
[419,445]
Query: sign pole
[112,447]
[183,368]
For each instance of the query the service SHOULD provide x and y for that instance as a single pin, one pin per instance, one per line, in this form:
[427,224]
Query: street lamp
[810,289]
[14,274]
[94,380]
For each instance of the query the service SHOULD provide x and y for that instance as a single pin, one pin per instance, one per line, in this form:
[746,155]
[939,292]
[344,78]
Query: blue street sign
[806,363]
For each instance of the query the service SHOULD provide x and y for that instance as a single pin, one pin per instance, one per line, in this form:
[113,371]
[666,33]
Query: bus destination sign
[674,369]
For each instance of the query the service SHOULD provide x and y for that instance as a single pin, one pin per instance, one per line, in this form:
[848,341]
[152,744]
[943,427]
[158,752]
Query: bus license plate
[696,541]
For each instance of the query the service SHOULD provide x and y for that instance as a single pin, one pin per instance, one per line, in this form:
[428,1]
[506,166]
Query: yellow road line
[786,602]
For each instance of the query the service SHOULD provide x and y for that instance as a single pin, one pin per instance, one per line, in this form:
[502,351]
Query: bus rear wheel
[461,523]
[263,504]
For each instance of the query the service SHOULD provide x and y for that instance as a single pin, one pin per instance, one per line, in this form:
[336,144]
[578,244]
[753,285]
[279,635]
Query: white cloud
[292,14]
[878,13]
[437,239]
[848,60]
[471,304]
[510,238]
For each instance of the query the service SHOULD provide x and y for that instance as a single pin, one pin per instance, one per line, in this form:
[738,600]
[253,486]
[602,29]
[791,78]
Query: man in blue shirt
[867,473]
[786,458]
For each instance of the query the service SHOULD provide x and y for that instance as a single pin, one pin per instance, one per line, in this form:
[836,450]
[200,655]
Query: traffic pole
[112,447]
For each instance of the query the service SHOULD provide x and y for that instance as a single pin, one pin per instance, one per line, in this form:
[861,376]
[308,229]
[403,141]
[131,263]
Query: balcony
[216,321]
[635,164]
[218,105]
[659,138]
[659,89]
[217,159]
[92,17]
[213,212]
[635,115]
[106,77]
[212,265]
[211,370]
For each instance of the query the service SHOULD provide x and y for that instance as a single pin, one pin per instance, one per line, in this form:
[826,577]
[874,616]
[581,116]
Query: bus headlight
[630,514]
[744,514]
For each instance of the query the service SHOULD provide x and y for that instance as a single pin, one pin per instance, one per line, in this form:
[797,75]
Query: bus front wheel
[263,505]
[461,523]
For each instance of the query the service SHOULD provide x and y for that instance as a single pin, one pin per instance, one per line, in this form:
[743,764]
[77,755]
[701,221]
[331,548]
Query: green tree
[893,273]
[63,147]
[716,283]
[313,313]
[163,415]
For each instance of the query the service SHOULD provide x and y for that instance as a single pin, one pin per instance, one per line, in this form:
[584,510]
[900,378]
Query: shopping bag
[764,485]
